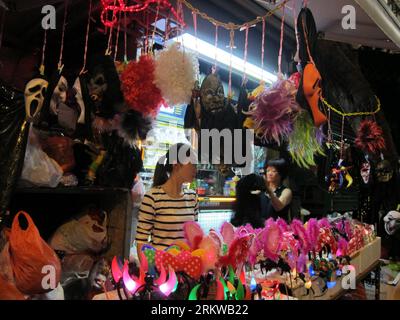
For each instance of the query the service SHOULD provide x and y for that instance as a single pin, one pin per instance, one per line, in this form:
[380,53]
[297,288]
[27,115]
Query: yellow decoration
[183,245]
[231,288]
[308,284]
[353,114]
[174,251]
[198,253]
[254,94]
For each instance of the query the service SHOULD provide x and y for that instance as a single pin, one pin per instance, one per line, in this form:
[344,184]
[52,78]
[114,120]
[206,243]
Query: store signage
[49,20]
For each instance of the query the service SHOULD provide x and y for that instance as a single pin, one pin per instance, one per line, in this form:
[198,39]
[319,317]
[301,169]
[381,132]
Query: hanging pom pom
[313,233]
[370,137]
[140,92]
[303,141]
[175,74]
[134,126]
[274,111]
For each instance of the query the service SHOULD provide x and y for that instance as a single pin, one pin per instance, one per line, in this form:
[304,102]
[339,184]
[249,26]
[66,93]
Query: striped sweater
[161,217]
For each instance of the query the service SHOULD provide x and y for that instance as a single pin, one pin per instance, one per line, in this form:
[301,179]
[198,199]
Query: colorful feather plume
[305,141]
[370,137]
[175,74]
[299,231]
[274,111]
[137,84]
[272,240]
[312,233]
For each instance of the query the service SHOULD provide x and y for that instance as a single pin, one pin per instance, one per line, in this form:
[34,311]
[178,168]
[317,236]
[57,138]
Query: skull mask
[35,91]
[392,222]
[384,171]
[212,93]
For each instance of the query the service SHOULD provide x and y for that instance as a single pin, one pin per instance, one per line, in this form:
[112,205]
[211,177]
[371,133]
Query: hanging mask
[312,91]
[59,95]
[212,94]
[35,91]
[365,172]
[384,171]
[97,87]
[79,100]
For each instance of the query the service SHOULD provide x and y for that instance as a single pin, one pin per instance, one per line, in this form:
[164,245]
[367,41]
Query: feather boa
[175,74]
[370,137]
[305,141]
[137,84]
[274,111]
[134,126]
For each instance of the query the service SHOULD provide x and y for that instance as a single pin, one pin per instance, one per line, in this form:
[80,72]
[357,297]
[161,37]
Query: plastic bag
[36,266]
[39,168]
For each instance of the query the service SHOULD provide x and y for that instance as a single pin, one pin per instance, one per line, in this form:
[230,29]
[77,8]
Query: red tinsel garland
[137,84]
[370,137]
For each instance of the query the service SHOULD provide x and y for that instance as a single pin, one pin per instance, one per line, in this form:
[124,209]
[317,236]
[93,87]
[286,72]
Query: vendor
[275,202]
[167,206]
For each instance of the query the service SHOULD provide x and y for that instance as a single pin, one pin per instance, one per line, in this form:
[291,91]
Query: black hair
[280,165]
[165,163]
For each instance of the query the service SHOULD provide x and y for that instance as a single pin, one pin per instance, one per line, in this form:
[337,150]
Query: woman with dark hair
[275,202]
[167,206]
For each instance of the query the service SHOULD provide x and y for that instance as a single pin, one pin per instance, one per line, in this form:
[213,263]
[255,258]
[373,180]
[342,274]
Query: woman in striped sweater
[166,206]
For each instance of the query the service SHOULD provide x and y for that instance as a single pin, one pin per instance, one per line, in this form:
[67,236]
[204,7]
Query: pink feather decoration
[193,234]
[274,111]
[238,251]
[299,230]
[313,233]
[324,223]
[272,240]
[342,247]
[301,263]
[228,233]
[348,229]
[282,225]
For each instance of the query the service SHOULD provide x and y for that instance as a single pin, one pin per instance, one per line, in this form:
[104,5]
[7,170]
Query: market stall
[84,136]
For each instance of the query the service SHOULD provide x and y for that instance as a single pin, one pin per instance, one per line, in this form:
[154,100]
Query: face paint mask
[365,172]
[212,94]
[35,91]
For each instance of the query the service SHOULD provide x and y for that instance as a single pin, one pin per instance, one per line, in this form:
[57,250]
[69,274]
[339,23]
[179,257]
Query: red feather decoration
[140,92]
[370,137]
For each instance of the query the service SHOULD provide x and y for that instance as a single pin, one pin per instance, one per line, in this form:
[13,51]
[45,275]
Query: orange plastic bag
[36,266]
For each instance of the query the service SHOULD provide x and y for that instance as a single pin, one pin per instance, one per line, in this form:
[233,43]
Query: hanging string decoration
[273,112]
[370,137]
[175,74]
[137,83]
[109,5]
[303,141]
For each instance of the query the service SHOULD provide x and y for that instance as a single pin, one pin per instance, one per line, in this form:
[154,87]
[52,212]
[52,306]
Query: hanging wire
[86,39]
[125,40]
[231,45]
[246,41]
[146,40]
[281,42]
[60,65]
[262,49]
[216,48]
[117,39]
[41,68]
[342,139]
[109,44]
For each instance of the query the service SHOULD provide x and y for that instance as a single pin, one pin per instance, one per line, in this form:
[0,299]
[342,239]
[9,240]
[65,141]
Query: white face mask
[59,94]
[79,100]
[35,91]
[365,172]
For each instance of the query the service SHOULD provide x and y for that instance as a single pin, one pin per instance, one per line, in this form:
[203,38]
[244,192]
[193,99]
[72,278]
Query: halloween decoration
[370,137]
[384,171]
[140,92]
[274,111]
[134,126]
[392,222]
[35,92]
[175,74]
[337,176]
[248,205]
[303,143]
[365,172]
[212,94]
